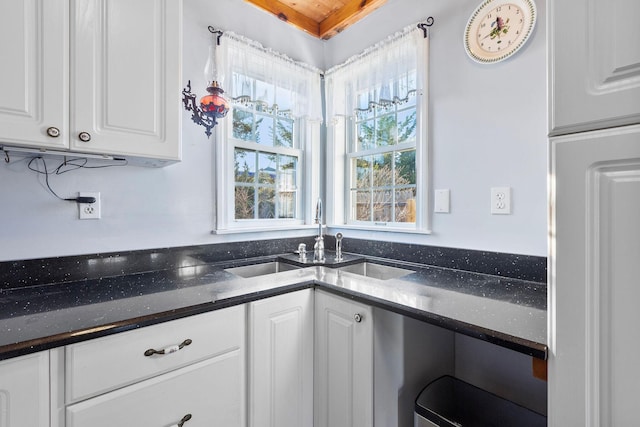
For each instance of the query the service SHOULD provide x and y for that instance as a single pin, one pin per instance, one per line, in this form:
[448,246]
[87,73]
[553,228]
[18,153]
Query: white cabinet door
[594,64]
[594,376]
[344,362]
[34,72]
[24,391]
[208,393]
[281,361]
[125,77]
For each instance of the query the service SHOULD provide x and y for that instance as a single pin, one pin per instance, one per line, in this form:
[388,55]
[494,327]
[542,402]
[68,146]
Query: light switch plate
[442,202]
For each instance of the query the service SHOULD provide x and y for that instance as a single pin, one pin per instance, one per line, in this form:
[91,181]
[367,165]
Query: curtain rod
[428,22]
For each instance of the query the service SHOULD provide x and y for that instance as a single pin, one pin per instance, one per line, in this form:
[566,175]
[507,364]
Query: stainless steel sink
[376,271]
[254,270]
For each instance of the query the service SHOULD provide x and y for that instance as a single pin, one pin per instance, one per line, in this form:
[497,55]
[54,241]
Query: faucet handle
[339,247]
[302,252]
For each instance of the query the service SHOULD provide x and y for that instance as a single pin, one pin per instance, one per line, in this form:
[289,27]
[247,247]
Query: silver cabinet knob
[53,132]
[84,136]
[357,317]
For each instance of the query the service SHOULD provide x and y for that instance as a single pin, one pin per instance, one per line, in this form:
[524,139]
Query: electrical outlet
[501,200]
[89,210]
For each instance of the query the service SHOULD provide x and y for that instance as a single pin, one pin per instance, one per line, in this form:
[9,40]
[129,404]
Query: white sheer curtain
[387,72]
[250,73]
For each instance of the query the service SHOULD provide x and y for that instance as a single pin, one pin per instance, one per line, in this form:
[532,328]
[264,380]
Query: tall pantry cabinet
[594,233]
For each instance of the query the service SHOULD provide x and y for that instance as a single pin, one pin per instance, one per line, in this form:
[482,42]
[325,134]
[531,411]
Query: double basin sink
[365,268]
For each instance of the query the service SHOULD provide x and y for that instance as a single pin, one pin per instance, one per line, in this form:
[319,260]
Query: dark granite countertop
[505,311]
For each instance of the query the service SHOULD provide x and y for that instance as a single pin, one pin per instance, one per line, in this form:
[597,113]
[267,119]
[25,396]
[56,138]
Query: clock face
[498,28]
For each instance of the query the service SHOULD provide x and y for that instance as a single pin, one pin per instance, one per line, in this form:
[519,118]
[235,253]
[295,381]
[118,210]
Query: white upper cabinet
[594,64]
[34,53]
[125,77]
[92,76]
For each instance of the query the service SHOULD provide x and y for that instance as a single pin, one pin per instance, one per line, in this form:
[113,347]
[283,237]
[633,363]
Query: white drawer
[208,393]
[98,366]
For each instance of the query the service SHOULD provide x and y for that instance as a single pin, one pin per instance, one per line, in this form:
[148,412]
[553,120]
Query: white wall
[488,129]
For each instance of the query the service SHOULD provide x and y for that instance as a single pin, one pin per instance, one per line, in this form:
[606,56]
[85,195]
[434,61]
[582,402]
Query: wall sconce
[212,106]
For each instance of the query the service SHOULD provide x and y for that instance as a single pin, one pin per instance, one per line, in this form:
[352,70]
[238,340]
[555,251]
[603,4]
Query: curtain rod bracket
[424,26]
[218,34]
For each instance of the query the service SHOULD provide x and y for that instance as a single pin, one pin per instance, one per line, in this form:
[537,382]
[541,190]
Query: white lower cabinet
[310,363]
[188,372]
[207,393]
[24,391]
[344,362]
[281,361]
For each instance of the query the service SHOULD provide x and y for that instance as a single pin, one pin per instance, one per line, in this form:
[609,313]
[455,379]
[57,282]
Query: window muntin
[382,155]
[265,185]
[266,154]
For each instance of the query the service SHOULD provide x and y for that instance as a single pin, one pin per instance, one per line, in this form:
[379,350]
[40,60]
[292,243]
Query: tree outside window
[266,164]
[383,163]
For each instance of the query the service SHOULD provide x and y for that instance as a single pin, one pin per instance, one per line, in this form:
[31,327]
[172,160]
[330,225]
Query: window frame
[235,143]
[355,151]
[224,181]
[307,141]
[341,132]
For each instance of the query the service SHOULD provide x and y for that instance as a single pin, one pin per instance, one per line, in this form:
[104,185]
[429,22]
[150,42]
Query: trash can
[450,402]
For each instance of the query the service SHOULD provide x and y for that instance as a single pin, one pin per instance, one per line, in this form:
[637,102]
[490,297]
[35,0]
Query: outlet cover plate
[501,200]
[89,210]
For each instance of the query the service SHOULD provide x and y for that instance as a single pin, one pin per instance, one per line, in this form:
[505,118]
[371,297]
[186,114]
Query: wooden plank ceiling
[321,18]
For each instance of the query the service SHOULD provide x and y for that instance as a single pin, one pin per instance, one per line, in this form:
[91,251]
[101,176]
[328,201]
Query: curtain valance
[251,73]
[386,73]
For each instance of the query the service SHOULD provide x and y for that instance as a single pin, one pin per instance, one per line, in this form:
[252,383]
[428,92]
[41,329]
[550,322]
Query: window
[271,134]
[382,158]
[266,153]
[377,106]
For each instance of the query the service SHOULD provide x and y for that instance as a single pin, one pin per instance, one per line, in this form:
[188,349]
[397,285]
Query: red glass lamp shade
[214,104]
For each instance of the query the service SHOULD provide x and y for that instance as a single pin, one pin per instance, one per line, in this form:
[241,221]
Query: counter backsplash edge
[44,271]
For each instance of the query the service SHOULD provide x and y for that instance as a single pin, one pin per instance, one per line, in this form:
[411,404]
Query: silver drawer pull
[169,350]
[183,420]
[357,317]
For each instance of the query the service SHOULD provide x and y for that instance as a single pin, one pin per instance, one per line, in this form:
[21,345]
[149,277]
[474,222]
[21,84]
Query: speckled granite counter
[508,312]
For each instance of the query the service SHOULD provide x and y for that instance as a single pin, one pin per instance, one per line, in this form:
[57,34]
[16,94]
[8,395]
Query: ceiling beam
[287,14]
[334,22]
[351,12]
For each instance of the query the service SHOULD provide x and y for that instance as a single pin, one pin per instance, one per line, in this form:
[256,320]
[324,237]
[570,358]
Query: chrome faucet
[318,248]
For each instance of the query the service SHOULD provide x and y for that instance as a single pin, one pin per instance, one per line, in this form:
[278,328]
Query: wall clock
[498,28]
